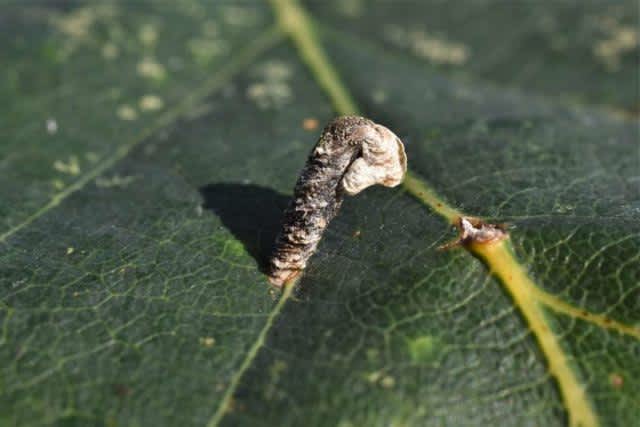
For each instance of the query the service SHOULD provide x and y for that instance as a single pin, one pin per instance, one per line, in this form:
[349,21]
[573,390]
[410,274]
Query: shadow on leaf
[252,213]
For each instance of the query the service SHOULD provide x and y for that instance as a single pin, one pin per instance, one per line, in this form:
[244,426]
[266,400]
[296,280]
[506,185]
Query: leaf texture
[150,147]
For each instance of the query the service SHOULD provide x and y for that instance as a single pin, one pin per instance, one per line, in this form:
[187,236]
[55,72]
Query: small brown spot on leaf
[310,124]
[121,390]
[357,234]
[616,380]
[236,405]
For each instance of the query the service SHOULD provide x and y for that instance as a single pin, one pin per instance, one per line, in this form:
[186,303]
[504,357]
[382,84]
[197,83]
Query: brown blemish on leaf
[235,405]
[121,390]
[616,380]
[310,124]
[476,231]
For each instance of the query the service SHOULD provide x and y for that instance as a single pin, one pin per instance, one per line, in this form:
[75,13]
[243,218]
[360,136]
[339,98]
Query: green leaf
[150,147]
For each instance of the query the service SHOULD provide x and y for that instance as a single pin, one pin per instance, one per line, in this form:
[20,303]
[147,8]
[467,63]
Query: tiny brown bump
[121,390]
[357,234]
[616,380]
[310,124]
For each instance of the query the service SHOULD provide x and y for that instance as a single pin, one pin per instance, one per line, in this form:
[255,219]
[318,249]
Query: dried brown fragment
[617,381]
[352,154]
[474,230]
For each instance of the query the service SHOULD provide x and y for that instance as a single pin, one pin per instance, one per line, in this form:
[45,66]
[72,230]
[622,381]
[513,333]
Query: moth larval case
[353,153]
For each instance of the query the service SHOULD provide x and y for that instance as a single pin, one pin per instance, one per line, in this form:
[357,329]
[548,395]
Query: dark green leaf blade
[86,80]
[138,299]
[145,303]
[554,48]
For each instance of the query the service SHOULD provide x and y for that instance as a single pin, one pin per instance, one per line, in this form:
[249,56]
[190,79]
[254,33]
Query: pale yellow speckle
[388,382]
[110,51]
[379,96]
[51,126]
[273,90]
[374,377]
[148,34]
[58,184]
[438,50]
[71,166]
[149,68]
[151,103]
[627,37]
[77,24]
[434,49]
[127,112]
[270,94]
[620,40]
[207,342]
[203,50]
[70,250]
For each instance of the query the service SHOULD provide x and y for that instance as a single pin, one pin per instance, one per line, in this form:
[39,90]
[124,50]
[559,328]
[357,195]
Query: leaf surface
[131,291]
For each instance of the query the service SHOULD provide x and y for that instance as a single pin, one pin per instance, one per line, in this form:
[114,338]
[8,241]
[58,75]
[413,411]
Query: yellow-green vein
[225,403]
